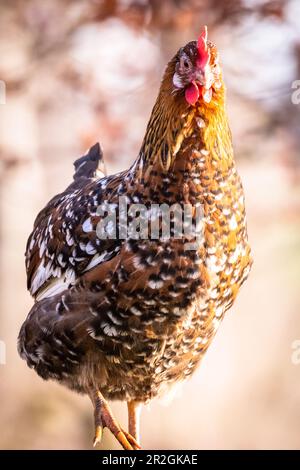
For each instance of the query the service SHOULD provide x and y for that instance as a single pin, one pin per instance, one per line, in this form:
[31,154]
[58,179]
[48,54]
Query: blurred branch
[50,36]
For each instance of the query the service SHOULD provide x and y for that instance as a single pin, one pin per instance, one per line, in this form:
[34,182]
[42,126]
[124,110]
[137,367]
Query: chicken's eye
[185,64]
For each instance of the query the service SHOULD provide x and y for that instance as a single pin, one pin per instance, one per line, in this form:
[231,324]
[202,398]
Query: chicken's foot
[104,418]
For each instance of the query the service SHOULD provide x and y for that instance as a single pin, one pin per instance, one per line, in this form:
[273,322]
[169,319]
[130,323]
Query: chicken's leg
[104,418]
[134,411]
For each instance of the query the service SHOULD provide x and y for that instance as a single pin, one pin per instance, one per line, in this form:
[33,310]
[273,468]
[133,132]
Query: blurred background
[77,72]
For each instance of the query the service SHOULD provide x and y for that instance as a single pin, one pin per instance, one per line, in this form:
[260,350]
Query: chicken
[126,316]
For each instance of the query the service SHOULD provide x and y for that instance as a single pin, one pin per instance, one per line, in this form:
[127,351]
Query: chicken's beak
[200,77]
[204,77]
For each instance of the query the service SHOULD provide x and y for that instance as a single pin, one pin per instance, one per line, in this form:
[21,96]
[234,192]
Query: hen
[124,317]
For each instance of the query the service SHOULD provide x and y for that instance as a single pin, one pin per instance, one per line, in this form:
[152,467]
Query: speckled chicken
[127,317]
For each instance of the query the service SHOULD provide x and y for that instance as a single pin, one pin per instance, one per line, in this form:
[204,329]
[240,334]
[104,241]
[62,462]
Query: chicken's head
[196,70]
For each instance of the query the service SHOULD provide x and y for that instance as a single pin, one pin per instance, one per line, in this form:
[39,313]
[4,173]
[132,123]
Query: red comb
[203,54]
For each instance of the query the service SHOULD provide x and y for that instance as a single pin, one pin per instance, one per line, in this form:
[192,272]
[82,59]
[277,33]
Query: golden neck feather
[173,122]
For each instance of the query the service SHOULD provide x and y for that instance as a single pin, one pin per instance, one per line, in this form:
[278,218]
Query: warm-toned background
[81,71]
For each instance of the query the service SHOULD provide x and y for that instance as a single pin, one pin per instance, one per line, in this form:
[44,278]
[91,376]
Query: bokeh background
[77,72]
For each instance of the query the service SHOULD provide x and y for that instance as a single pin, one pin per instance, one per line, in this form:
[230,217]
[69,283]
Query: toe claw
[132,440]
[124,441]
[98,435]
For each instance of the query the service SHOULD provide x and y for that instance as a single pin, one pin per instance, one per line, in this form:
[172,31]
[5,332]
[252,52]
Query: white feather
[87,225]
[177,81]
[57,285]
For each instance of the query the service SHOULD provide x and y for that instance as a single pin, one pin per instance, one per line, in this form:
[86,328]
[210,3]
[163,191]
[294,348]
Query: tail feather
[90,165]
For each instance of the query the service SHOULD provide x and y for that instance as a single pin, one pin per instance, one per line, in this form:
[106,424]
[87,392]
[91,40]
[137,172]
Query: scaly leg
[104,418]
[134,412]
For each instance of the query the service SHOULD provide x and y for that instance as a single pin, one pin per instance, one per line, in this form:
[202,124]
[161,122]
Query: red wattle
[192,93]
